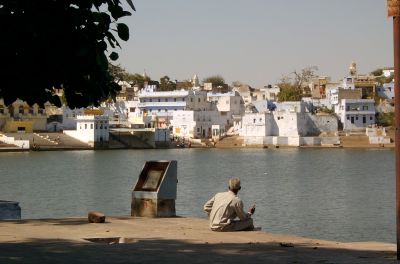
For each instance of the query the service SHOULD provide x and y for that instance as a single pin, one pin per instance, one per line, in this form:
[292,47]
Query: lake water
[337,194]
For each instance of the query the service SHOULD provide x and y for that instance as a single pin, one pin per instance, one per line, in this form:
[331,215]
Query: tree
[294,86]
[51,44]
[216,80]
[289,91]
[166,84]
[380,78]
[303,77]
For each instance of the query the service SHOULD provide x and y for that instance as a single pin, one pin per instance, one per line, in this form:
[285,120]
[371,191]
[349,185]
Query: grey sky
[256,41]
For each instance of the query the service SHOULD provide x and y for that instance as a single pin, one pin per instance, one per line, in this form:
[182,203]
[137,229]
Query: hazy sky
[256,41]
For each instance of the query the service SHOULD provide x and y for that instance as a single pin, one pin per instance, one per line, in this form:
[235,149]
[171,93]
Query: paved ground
[169,240]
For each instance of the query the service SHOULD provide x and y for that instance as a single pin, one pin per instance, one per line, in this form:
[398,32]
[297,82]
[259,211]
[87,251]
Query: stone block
[96,217]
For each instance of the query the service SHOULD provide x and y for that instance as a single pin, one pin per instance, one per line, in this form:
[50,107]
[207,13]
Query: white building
[269,93]
[386,91]
[91,129]
[196,124]
[164,104]
[290,124]
[356,114]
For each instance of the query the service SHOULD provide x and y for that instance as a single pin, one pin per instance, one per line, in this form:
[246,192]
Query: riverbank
[169,240]
[60,142]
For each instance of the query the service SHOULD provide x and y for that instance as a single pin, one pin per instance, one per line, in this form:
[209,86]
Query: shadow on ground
[177,251]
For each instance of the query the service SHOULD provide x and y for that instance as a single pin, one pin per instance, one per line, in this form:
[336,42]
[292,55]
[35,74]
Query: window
[254,120]
[348,108]
[101,125]
[91,126]
[95,126]
[132,109]
[159,99]
[151,100]
[165,110]
[191,99]
[348,117]
[370,118]
[365,107]
[159,110]
[198,100]
[85,126]
[364,119]
[356,117]
[174,99]
[198,130]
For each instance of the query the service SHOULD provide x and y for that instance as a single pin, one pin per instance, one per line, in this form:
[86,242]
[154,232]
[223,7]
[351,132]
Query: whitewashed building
[196,124]
[164,103]
[356,114]
[91,129]
[290,125]
[386,91]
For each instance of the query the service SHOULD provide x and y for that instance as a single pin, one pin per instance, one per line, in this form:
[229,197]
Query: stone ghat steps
[354,141]
[230,142]
[49,140]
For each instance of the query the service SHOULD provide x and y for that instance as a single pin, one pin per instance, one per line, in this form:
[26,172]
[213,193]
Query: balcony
[162,104]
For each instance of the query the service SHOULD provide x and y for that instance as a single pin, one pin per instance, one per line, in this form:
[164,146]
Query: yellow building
[20,117]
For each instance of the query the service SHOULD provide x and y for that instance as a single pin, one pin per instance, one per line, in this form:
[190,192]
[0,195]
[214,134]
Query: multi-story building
[356,114]
[163,104]
[20,117]
[269,93]
[196,124]
[91,129]
[386,91]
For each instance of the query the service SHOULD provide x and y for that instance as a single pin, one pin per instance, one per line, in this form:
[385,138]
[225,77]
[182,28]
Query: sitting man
[224,207]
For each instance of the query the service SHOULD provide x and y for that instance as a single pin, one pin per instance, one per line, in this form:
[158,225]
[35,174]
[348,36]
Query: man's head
[234,184]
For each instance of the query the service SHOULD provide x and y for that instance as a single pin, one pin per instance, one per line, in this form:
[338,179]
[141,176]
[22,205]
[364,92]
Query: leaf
[131,4]
[123,31]
[116,11]
[114,56]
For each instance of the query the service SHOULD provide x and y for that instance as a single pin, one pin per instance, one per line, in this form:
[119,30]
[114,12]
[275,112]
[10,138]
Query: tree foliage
[216,80]
[60,44]
[288,91]
[380,78]
[166,84]
[295,85]
[120,74]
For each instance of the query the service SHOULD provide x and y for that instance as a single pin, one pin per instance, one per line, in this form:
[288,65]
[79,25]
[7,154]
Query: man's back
[223,208]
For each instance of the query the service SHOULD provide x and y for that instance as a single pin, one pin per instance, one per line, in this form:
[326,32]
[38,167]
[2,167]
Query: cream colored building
[20,117]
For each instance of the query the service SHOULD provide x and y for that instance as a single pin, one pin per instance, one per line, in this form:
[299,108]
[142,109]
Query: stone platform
[169,240]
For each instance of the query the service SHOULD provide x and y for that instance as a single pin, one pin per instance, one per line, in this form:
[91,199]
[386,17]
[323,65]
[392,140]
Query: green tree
[295,85]
[216,80]
[52,44]
[380,78]
[166,84]
[289,91]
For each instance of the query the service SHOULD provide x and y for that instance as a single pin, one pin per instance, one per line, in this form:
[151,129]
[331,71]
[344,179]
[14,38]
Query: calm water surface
[345,195]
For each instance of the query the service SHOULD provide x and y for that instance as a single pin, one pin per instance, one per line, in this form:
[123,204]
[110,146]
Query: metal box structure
[154,194]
